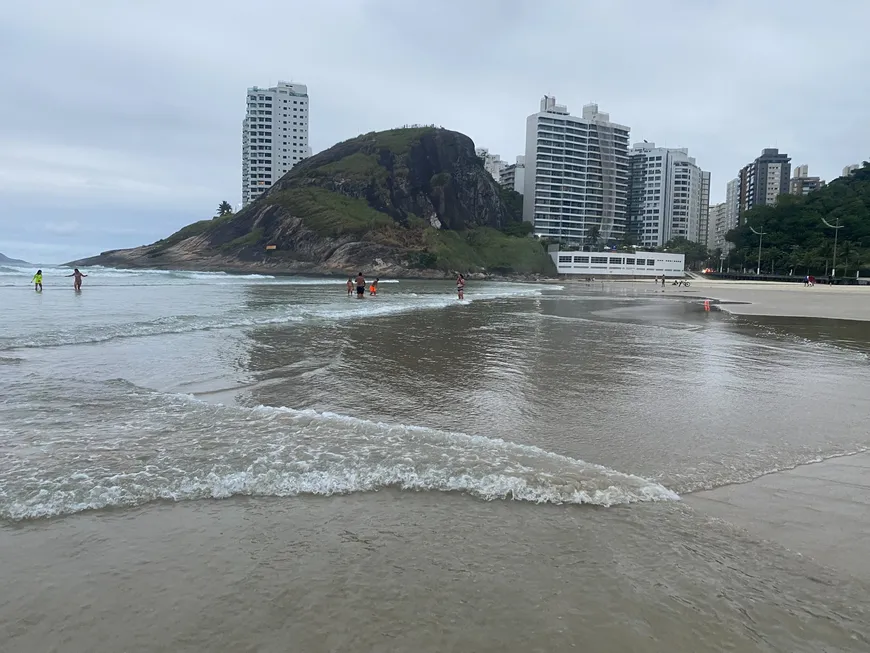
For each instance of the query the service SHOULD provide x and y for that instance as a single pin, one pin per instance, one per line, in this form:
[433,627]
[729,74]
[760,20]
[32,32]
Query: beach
[786,299]
[197,461]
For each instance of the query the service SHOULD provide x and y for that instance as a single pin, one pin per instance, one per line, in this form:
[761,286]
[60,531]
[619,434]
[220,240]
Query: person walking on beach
[373,289]
[349,287]
[460,286]
[663,281]
[37,281]
[77,282]
[360,286]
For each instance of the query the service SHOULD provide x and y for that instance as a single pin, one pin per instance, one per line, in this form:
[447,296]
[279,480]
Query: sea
[199,461]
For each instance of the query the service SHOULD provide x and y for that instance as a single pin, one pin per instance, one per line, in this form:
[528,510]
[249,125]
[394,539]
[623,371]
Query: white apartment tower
[274,136]
[669,196]
[514,175]
[492,163]
[716,227]
[576,179]
[730,217]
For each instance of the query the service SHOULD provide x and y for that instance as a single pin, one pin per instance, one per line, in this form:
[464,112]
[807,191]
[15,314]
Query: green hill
[413,201]
[796,238]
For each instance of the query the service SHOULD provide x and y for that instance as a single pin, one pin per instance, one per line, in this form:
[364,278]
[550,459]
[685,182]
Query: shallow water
[199,461]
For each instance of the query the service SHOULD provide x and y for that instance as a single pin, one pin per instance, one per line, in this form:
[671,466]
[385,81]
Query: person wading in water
[77,282]
[360,286]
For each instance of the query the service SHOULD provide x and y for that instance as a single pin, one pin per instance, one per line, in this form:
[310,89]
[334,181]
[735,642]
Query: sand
[782,299]
[820,510]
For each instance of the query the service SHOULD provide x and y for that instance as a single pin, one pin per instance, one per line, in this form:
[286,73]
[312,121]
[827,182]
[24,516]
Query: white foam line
[362,309]
[325,453]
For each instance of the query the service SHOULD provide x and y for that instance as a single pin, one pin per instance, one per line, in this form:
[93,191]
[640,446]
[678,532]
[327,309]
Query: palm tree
[224,208]
[593,237]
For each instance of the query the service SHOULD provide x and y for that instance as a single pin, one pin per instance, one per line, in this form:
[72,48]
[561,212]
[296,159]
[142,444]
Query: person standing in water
[37,281]
[360,286]
[77,282]
[349,287]
[373,289]
[460,286]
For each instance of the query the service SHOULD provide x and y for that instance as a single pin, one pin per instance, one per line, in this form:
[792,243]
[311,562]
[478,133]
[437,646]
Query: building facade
[801,183]
[732,205]
[668,195]
[848,170]
[492,163]
[763,180]
[704,230]
[514,175]
[717,227]
[576,174]
[619,264]
[274,136]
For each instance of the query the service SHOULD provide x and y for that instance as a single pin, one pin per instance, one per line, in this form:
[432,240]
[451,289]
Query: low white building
[619,264]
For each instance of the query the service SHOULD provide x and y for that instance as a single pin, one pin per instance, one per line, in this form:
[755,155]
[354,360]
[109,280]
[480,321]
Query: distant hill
[403,202]
[796,238]
[5,260]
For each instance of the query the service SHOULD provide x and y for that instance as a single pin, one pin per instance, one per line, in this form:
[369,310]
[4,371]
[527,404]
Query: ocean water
[205,461]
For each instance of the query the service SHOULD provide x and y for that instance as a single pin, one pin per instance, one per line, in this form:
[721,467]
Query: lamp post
[836,229]
[760,235]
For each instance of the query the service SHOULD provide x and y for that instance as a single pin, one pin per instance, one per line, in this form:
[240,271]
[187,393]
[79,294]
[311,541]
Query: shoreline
[819,509]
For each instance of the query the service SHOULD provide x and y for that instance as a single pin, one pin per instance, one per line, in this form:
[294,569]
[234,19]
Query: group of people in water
[77,281]
[360,285]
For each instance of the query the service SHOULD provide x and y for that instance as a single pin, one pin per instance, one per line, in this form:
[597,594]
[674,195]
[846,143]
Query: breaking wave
[177,448]
[175,324]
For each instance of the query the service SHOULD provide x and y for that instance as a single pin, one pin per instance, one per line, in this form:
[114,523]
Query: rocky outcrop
[404,202]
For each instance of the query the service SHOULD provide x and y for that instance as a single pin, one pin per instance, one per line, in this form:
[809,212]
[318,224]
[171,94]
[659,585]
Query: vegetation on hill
[415,198]
[796,238]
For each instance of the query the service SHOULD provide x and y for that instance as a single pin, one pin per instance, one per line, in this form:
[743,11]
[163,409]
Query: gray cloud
[120,121]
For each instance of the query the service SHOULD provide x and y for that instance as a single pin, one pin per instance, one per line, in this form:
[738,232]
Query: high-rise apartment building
[731,217]
[848,170]
[514,175]
[274,136]
[704,222]
[576,174]
[763,180]
[801,183]
[716,227]
[669,195]
[492,163]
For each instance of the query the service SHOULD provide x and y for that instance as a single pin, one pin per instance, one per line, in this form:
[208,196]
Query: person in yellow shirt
[37,281]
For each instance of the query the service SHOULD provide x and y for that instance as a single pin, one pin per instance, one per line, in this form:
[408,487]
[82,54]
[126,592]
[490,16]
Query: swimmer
[349,287]
[360,286]
[77,282]
[460,286]
[37,281]
[373,289]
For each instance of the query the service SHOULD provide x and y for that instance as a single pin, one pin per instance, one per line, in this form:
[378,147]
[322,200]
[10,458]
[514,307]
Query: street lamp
[760,234]
[836,229]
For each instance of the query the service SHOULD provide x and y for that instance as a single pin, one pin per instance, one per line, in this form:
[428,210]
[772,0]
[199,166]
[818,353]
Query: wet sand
[783,299]
[820,510]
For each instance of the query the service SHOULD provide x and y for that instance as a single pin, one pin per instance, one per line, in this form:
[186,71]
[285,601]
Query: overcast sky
[120,120]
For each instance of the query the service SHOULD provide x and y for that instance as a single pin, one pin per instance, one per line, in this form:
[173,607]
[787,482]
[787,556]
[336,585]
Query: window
[599,259]
[615,260]
[581,259]
[564,259]
[650,261]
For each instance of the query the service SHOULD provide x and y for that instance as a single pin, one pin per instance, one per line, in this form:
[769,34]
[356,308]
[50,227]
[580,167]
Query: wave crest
[208,451]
